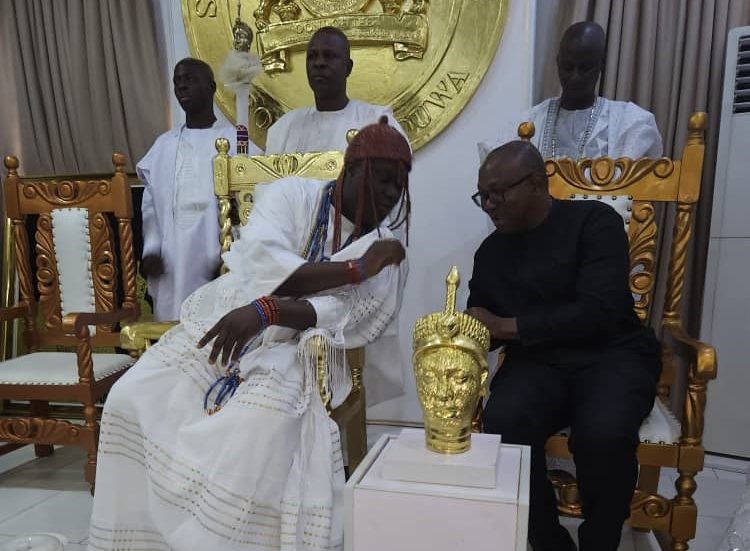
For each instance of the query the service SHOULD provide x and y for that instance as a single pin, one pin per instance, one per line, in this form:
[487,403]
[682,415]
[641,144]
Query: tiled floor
[49,495]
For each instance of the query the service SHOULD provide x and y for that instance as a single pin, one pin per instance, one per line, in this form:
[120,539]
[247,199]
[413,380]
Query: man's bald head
[517,158]
[580,61]
[585,34]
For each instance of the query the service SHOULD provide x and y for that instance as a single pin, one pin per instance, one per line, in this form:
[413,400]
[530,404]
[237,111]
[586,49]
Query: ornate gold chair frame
[648,182]
[235,181]
[84,376]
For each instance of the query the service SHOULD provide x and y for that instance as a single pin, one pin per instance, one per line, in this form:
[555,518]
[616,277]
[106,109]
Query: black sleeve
[601,287]
[477,294]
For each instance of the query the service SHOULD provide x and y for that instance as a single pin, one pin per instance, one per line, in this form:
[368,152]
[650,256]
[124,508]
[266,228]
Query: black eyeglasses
[481,199]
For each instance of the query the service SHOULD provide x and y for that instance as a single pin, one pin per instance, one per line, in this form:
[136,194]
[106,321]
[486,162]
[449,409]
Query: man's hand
[152,265]
[382,253]
[231,334]
[501,329]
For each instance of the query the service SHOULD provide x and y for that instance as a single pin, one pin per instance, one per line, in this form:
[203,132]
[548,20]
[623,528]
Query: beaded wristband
[355,269]
[268,311]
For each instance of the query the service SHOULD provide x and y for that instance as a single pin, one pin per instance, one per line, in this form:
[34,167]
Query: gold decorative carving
[608,175]
[652,505]
[103,265]
[23,266]
[680,242]
[450,367]
[434,53]
[127,263]
[642,233]
[38,430]
[66,192]
[48,282]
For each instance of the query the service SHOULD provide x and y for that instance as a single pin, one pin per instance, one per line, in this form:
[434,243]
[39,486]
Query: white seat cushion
[660,427]
[57,368]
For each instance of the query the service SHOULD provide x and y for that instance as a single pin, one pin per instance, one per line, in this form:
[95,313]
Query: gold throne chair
[236,179]
[76,233]
[671,436]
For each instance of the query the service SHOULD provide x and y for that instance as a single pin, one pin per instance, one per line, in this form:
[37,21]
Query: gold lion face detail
[449,382]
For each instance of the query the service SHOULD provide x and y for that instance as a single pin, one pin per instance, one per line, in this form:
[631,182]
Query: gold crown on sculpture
[450,368]
[451,327]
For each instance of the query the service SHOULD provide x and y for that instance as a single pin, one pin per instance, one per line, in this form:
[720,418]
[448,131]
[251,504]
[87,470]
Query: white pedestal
[407,458]
[417,516]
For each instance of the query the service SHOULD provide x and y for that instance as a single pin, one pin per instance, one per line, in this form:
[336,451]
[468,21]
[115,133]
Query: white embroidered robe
[307,129]
[265,472]
[180,216]
[621,129]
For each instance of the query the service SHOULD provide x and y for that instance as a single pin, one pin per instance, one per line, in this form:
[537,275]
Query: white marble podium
[386,513]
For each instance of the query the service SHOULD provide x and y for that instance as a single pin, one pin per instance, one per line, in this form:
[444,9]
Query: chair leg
[89,414]
[684,512]
[40,408]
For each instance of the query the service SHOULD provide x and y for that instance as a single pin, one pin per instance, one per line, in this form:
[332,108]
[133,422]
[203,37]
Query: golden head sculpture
[450,366]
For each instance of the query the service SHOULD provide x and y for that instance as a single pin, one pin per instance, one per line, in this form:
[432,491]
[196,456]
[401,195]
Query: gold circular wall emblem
[424,58]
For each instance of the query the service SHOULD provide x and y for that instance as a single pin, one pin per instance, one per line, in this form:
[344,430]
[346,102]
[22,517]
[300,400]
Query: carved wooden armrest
[701,361]
[77,324]
[139,336]
[13,312]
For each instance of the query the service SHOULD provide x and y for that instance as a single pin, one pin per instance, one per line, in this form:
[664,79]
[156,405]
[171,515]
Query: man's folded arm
[602,280]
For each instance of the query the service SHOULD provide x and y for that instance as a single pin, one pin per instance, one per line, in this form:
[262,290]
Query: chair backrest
[236,177]
[78,263]
[644,184]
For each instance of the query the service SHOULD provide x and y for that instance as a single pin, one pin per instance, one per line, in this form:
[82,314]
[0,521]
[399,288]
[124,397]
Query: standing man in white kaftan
[239,454]
[323,127]
[180,222]
[580,123]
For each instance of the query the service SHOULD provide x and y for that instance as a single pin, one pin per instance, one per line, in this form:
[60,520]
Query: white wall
[446,226]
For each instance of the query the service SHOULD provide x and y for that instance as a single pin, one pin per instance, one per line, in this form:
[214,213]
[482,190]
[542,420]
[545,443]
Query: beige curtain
[668,57]
[87,79]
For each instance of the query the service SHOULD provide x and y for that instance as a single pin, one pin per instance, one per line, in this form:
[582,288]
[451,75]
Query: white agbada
[180,217]
[607,129]
[265,472]
[307,129]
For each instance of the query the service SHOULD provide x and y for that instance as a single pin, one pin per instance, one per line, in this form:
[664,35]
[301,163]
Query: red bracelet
[355,270]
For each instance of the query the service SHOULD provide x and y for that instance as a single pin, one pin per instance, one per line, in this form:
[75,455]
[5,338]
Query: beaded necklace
[552,117]
[226,385]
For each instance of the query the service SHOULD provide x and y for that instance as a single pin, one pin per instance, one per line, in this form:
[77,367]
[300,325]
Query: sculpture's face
[448,384]
[243,39]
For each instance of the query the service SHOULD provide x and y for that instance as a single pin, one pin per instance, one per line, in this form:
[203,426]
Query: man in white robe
[180,221]
[264,472]
[580,123]
[324,126]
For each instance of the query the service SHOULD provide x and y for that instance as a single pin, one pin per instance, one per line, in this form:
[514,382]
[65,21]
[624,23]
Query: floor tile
[709,533]
[17,500]
[15,458]
[726,463]
[717,498]
[740,478]
[67,513]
